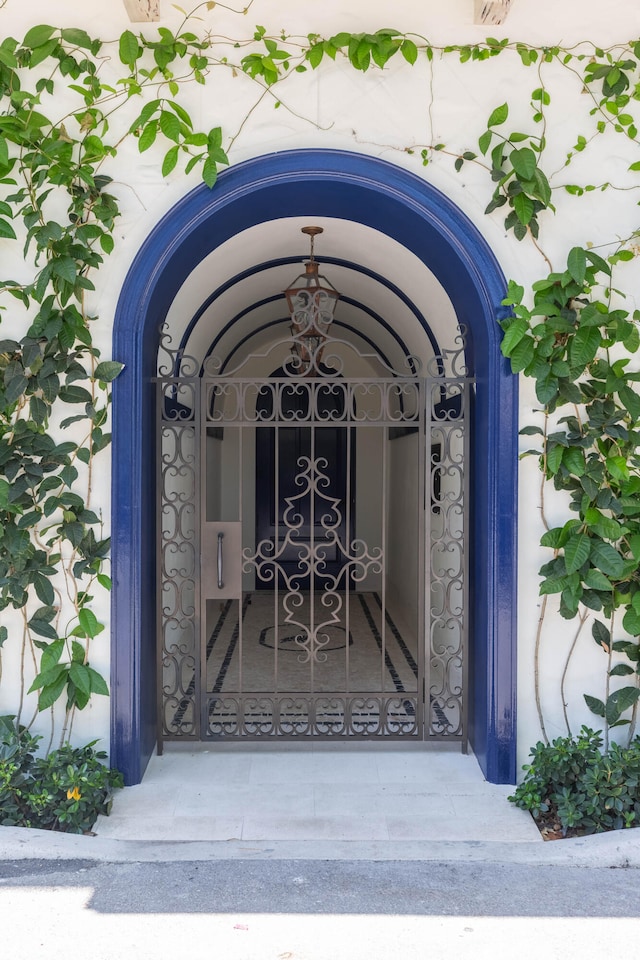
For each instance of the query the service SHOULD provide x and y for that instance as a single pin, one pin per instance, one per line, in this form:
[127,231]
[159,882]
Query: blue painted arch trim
[403,206]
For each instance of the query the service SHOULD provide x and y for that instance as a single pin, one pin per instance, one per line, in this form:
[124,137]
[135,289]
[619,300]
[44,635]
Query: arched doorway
[404,208]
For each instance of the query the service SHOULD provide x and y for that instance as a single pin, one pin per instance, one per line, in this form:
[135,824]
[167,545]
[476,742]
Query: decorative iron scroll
[326,359]
[263,401]
[178,560]
[297,715]
[359,560]
[448,548]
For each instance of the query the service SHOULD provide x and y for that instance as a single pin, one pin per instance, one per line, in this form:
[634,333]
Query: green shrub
[571,780]
[17,752]
[65,790]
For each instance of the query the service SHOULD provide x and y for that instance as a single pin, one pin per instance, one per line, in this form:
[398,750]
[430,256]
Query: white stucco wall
[383,114]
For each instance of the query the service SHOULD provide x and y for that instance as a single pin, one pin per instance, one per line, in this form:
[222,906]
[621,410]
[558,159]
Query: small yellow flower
[73,794]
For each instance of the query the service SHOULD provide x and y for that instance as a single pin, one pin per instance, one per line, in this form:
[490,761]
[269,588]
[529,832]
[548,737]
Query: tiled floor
[316,794]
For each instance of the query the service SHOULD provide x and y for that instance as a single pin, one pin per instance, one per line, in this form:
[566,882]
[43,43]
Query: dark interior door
[288,458]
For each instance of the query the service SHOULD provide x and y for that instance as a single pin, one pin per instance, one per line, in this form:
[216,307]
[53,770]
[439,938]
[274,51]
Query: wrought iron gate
[311,546]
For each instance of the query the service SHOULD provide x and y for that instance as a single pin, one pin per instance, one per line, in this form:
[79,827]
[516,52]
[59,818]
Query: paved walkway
[384,795]
[317,803]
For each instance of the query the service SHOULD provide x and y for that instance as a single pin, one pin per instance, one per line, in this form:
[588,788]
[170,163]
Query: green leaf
[170,160]
[78,652]
[523,162]
[44,590]
[409,51]
[89,623]
[524,208]
[607,559]
[15,387]
[596,706]
[554,538]
[631,401]
[46,677]
[38,410]
[576,552]
[484,141]
[108,370]
[573,459]
[617,467]
[315,54]
[98,684]
[5,488]
[552,585]
[621,670]
[210,172]
[601,634]
[522,355]
[634,543]
[6,230]
[631,650]
[577,264]
[36,36]
[596,580]
[554,458]
[79,38]
[619,701]
[52,692]
[107,242]
[128,49]
[42,628]
[81,677]
[180,112]
[77,697]
[51,655]
[170,126]
[542,187]
[513,335]
[148,136]
[65,268]
[631,622]
[145,115]
[583,347]
[499,115]
[75,394]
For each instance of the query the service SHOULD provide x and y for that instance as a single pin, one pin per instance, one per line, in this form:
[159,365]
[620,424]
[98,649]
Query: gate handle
[220,580]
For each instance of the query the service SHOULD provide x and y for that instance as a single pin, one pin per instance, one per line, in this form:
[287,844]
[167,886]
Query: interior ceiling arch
[232,303]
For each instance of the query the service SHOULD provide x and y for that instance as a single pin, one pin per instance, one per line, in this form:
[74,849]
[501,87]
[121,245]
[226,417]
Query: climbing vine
[66,114]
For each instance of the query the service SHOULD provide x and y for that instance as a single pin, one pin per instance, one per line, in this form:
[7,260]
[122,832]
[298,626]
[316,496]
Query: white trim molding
[143,11]
[491,11]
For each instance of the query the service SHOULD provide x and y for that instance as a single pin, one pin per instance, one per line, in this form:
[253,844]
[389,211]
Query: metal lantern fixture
[312,302]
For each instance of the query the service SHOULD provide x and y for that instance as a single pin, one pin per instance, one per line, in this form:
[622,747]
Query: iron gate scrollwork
[349,617]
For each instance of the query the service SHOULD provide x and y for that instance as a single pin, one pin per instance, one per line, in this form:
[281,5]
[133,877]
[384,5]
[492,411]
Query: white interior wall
[369,502]
[405,528]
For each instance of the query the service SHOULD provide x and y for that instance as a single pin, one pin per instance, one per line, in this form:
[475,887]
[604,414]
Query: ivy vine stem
[582,619]
[536,668]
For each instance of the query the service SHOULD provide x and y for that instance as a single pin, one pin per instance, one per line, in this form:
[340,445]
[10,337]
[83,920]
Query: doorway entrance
[423,231]
[295,601]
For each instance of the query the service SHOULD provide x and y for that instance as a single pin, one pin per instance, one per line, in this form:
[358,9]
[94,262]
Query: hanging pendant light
[312,300]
